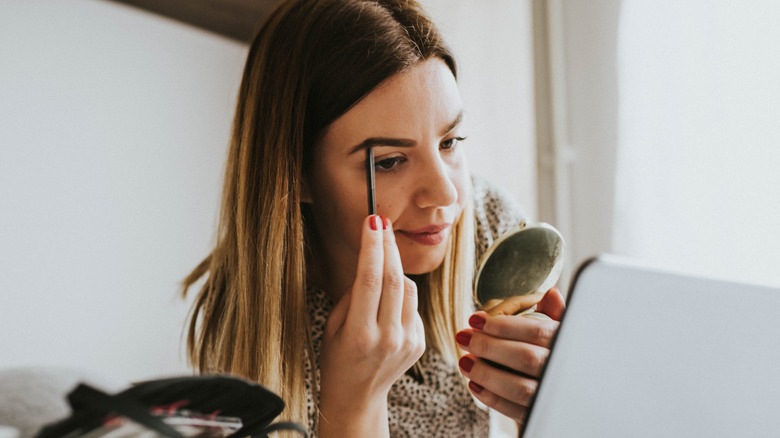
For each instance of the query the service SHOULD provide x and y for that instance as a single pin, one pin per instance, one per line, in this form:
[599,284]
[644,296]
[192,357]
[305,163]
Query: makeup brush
[370,181]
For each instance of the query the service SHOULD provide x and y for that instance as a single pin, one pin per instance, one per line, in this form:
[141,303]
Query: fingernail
[466,363]
[463,338]
[477,321]
[385,222]
[375,222]
[475,388]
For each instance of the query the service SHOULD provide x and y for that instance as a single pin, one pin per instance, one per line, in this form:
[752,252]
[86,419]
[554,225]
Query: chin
[418,264]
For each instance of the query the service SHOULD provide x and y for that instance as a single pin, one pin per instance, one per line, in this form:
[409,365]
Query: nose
[435,187]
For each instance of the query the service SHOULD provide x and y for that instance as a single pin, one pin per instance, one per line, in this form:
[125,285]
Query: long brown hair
[309,63]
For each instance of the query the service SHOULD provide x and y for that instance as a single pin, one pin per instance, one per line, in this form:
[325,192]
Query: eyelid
[457,140]
[399,159]
[378,157]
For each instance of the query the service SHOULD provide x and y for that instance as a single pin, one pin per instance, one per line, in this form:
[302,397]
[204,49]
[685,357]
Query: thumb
[552,304]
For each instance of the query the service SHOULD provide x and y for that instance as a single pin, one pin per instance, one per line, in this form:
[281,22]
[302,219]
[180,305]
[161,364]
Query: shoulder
[495,213]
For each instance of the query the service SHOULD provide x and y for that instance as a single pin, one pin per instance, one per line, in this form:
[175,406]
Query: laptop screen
[645,353]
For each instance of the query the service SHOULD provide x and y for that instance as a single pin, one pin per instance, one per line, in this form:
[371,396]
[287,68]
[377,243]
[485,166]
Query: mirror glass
[519,268]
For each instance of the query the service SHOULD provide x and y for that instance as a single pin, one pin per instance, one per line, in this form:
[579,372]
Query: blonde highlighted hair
[309,63]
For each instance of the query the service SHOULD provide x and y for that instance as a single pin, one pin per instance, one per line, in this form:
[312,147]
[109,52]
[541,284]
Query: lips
[429,235]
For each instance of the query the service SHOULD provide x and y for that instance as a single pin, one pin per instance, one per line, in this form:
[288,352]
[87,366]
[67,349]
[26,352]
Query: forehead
[413,104]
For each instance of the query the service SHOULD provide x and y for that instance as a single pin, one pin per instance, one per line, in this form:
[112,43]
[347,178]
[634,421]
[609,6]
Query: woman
[353,319]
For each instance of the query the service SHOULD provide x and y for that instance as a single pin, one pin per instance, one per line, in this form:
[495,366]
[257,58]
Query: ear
[305,192]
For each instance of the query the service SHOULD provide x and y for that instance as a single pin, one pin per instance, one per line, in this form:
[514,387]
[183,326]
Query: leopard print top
[438,404]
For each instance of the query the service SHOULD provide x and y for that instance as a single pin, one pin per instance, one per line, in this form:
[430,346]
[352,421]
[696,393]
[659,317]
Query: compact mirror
[519,268]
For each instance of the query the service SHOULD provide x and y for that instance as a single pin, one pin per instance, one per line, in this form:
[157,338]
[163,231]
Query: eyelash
[391,163]
[382,165]
[453,142]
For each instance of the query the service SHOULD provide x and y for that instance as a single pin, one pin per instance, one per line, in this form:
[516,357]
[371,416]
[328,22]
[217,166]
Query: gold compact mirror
[519,268]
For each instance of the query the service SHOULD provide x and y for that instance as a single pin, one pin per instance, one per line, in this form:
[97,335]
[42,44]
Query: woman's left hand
[515,341]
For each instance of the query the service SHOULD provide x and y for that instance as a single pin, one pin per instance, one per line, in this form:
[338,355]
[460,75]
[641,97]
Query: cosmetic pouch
[192,406]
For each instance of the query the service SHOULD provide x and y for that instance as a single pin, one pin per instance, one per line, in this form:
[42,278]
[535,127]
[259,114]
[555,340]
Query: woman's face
[412,120]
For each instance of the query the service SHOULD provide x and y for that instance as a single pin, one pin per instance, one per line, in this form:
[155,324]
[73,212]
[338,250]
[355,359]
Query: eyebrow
[401,142]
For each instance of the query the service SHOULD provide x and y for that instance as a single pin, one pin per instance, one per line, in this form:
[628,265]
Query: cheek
[392,195]
[392,210]
[345,210]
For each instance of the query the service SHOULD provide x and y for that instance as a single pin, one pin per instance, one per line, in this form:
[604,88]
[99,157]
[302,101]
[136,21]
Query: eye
[451,143]
[389,164]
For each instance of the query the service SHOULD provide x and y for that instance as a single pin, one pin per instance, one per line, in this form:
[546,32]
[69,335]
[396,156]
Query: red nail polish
[463,338]
[477,321]
[466,363]
[385,222]
[374,221]
[475,388]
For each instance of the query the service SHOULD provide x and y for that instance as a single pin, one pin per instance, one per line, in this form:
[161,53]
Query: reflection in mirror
[519,268]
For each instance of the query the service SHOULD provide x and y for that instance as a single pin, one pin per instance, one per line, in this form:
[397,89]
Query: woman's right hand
[373,335]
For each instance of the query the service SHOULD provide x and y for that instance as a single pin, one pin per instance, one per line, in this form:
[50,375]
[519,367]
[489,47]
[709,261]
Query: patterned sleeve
[495,211]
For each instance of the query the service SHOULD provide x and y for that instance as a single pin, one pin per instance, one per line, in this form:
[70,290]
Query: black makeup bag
[193,406]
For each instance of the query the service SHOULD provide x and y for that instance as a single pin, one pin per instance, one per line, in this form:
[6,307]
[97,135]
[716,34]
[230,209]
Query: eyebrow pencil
[370,181]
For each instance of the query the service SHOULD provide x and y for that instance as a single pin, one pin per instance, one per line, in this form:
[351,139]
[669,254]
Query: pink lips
[430,235]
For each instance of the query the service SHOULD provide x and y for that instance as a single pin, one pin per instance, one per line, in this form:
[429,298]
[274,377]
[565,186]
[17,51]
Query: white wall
[113,132]
[493,45]
[582,38]
[672,134]
[698,147]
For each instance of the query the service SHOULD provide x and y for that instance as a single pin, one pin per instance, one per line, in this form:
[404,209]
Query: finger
[521,357]
[411,300]
[513,305]
[552,304]
[490,304]
[512,410]
[393,283]
[512,387]
[367,287]
[516,327]
[410,317]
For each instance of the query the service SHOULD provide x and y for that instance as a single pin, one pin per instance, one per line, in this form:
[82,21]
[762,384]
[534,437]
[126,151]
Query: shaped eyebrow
[383,141]
[401,142]
[453,125]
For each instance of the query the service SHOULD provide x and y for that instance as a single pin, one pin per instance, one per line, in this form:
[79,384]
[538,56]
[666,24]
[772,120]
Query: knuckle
[371,280]
[394,281]
[533,359]
[363,342]
[542,333]
[502,326]
[392,342]
[523,391]
[414,347]
[389,242]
